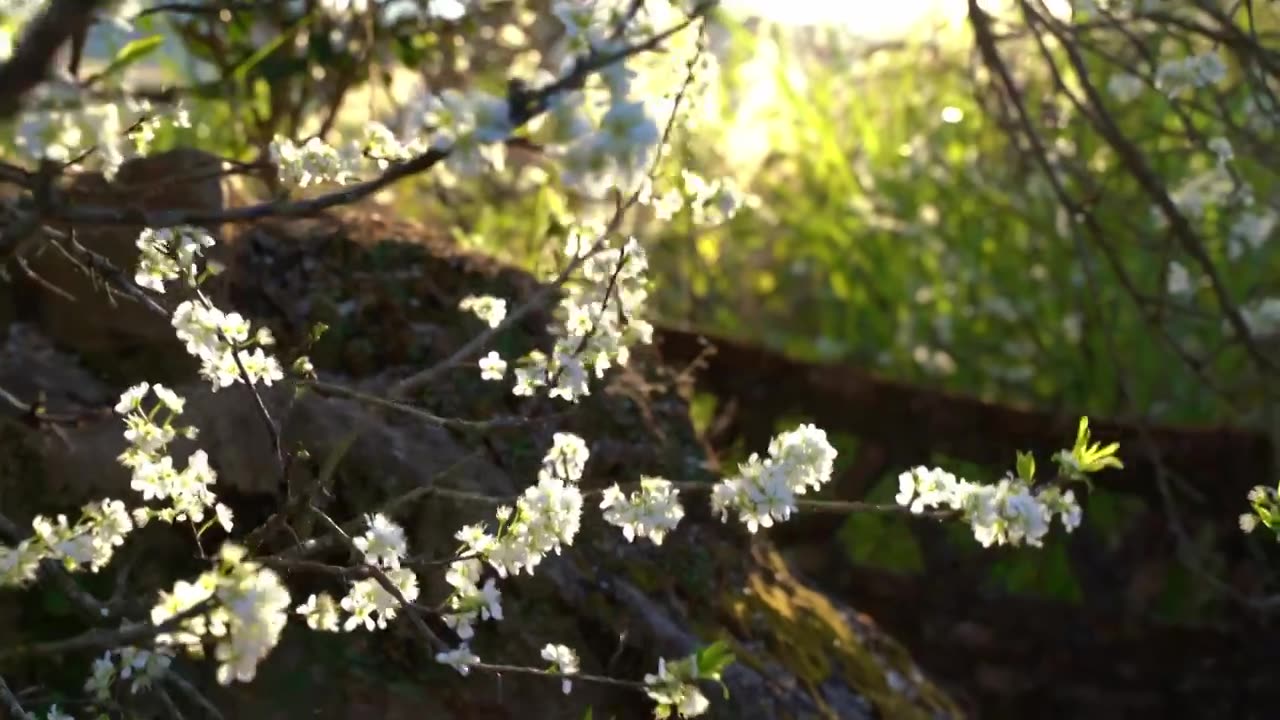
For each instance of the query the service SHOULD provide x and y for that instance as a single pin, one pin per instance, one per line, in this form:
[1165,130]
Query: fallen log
[1018,657]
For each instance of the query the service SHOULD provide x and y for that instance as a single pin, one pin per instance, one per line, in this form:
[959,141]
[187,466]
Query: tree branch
[32,59]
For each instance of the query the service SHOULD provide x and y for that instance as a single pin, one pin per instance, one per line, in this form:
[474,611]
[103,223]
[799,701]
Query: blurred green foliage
[899,224]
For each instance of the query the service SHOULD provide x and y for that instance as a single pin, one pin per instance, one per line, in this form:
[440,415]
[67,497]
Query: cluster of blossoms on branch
[606,137]
[240,607]
[765,489]
[64,123]
[1013,511]
[603,136]
[247,608]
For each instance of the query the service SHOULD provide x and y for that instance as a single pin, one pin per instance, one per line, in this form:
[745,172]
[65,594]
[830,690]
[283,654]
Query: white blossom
[492,367]
[320,611]
[652,511]
[383,543]
[460,658]
[765,489]
[564,661]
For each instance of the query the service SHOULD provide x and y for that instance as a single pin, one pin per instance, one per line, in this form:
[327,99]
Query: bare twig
[9,701]
[100,638]
[31,61]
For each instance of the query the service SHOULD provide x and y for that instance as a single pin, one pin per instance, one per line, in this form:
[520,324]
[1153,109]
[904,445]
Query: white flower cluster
[141,666]
[371,605]
[383,543]
[320,612]
[471,125]
[91,541]
[368,602]
[1266,509]
[103,525]
[1251,231]
[765,489]
[1193,71]
[170,254]
[1125,87]
[492,367]
[614,155]
[18,564]
[1006,513]
[315,162]
[382,147]
[63,123]
[1201,191]
[716,201]
[547,515]
[1262,316]
[564,661]
[599,317]
[491,310]
[248,610]
[675,688]
[652,511]
[188,492]
[471,600]
[1178,279]
[710,202]
[460,658]
[546,518]
[606,136]
[586,22]
[223,344]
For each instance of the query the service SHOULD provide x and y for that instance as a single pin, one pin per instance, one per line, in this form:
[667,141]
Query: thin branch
[524,107]
[391,507]
[31,61]
[425,377]
[9,701]
[497,423]
[498,669]
[181,8]
[100,638]
[183,686]
[430,638]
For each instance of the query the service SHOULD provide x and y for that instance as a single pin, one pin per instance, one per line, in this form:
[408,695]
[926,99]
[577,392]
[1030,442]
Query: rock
[178,179]
[620,605]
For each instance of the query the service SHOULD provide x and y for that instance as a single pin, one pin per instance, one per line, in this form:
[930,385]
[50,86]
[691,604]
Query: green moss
[809,635]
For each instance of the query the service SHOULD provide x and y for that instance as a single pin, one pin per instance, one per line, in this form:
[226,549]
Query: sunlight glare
[869,19]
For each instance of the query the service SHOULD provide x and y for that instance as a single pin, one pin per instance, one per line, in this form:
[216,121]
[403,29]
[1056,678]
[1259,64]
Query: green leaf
[713,659]
[317,331]
[131,53]
[241,71]
[1026,466]
[587,715]
[1091,458]
[1082,433]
